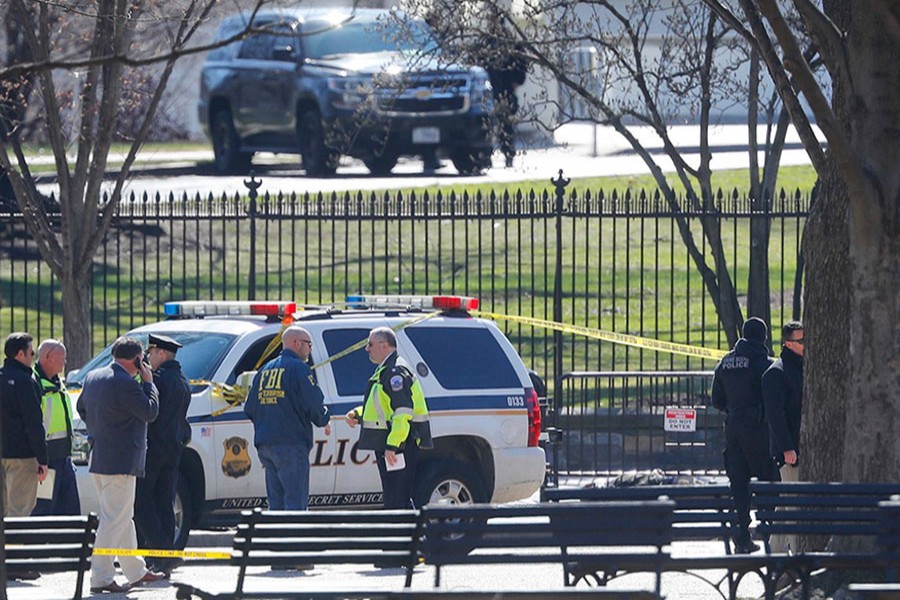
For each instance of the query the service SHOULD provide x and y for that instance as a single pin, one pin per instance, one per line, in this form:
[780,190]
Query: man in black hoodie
[737,390]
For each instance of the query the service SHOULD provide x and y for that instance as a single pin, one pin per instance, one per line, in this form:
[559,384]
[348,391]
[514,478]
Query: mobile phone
[137,363]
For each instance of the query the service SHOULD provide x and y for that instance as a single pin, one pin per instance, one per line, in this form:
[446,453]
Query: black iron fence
[622,264]
[610,261]
[617,421]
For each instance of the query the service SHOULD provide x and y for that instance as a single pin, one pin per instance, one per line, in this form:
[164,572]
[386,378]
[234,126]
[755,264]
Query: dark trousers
[746,456]
[397,486]
[154,514]
[65,491]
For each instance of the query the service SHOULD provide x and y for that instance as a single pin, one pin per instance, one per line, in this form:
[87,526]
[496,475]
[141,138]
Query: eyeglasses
[307,342]
[801,341]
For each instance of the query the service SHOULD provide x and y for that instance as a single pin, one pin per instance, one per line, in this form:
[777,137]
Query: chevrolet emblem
[422,94]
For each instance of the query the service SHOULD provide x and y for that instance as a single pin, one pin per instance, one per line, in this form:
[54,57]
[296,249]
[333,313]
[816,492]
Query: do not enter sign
[680,419]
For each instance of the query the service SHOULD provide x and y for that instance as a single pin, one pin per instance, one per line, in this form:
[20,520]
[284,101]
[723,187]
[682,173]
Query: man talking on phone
[116,409]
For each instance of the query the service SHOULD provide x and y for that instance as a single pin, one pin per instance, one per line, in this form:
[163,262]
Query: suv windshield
[199,358]
[366,37]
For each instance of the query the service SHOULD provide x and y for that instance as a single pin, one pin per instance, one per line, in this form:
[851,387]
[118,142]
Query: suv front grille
[428,95]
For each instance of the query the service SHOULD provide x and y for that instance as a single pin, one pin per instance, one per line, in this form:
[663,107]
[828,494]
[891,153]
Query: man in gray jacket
[116,409]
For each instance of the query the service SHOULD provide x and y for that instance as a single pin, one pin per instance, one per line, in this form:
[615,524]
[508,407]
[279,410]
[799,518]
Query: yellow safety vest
[56,406]
[382,425]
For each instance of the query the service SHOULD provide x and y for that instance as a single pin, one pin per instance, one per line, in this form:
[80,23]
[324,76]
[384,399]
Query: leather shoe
[112,588]
[746,546]
[149,577]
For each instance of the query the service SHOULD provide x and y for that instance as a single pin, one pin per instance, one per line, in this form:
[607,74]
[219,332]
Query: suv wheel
[184,513]
[229,160]
[470,162]
[381,165]
[448,482]
[318,159]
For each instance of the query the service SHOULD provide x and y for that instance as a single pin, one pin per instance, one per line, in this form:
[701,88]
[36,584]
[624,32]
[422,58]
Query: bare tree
[859,41]
[99,42]
[659,64]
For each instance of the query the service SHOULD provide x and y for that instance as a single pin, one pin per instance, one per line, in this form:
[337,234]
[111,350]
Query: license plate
[426,135]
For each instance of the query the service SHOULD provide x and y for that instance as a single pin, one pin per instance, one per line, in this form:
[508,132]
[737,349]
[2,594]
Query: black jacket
[170,431]
[23,422]
[737,385]
[782,386]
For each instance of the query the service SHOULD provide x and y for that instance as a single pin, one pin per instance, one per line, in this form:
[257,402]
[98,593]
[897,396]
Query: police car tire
[449,481]
[184,513]
[454,483]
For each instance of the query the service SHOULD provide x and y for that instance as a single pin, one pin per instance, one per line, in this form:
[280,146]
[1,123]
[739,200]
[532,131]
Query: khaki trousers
[785,543]
[116,529]
[20,494]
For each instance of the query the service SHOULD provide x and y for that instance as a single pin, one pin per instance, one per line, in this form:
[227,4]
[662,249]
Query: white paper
[45,488]
[397,466]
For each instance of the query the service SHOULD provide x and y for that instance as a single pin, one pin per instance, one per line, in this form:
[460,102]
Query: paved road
[573,149]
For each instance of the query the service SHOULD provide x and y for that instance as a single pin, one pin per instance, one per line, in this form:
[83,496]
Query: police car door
[240,478]
[357,482]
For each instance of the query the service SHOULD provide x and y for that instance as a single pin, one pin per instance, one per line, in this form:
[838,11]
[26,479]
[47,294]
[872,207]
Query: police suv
[484,410]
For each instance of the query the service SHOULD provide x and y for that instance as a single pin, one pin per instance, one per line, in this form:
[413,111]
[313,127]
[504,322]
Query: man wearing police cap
[153,510]
[737,391]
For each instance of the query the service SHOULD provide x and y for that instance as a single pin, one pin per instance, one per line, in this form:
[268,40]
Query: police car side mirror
[245,379]
[71,373]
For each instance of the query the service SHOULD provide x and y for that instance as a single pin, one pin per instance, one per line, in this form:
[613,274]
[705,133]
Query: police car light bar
[423,302]
[229,308]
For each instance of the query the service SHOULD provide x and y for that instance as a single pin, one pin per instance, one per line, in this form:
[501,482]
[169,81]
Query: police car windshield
[199,358]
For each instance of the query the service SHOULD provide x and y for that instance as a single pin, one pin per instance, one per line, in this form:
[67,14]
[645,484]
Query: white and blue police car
[485,417]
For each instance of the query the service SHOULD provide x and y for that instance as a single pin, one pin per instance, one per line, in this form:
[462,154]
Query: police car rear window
[351,372]
[464,358]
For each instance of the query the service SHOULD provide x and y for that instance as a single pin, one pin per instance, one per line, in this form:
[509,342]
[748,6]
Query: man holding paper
[394,419]
[58,494]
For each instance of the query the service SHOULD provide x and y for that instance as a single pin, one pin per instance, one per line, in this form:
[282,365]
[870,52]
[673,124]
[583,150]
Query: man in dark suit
[116,409]
[154,513]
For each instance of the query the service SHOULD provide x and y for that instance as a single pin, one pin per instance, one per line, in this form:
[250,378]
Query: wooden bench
[51,545]
[888,545]
[290,538]
[584,537]
[829,510]
[702,513]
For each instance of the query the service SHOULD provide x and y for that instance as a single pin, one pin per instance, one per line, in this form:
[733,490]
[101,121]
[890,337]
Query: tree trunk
[77,297]
[826,366]
[871,443]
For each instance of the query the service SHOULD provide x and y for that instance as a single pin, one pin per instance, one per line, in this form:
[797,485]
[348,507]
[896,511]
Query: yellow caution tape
[235,395]
[161,553]
[611,336]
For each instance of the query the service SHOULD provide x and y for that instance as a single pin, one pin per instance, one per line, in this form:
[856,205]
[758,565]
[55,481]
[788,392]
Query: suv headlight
[481,95]
[81,447]
[349,92]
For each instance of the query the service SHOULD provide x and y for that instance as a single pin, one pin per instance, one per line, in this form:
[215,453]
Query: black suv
[327,82]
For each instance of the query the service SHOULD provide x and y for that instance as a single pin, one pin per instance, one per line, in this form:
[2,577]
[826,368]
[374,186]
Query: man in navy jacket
[24,447]
[116,409]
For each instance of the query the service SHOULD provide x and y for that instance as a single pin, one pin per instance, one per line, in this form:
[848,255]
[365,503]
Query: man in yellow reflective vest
[394,419]
[56,407]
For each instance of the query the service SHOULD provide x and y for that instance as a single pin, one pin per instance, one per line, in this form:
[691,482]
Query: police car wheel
[449,482]
[184,514]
